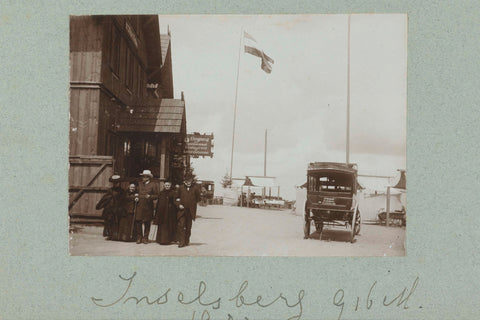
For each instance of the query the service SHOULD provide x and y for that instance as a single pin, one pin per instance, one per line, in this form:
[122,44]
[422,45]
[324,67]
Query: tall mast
[265,158]
[235,108]
[348,94]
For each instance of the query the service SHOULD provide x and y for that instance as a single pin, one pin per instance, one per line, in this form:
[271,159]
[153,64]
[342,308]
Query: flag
[253,50]
[266,60]
[246,35]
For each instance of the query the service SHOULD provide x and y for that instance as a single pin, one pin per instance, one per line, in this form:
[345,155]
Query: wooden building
[123,116]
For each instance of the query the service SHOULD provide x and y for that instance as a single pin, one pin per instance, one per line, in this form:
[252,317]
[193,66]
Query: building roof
[373,183]
[164,45]
[337,166]
[237,182]
[167,116]
[402,181]
[151,33]
[380,184]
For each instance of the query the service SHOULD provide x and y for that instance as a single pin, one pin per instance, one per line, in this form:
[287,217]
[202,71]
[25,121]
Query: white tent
[262,185]
[230,195]
[267,182]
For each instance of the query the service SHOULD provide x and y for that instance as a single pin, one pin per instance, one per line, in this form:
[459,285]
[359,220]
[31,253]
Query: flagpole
[348,94]
[235,107]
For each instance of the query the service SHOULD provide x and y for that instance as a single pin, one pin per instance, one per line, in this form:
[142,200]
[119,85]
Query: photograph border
[39,279]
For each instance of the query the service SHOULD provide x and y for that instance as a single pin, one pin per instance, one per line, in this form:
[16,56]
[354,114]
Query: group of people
[128,215]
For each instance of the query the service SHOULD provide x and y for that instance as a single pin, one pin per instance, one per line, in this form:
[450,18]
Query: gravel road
[235,231]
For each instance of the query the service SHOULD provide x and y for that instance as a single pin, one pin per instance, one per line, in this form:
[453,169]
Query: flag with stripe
[253,49]
[246,35]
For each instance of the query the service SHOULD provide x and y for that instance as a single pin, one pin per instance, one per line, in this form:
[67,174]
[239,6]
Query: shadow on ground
[337,235]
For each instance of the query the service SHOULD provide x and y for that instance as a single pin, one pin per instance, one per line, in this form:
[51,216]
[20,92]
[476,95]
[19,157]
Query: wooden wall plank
[82,99]
[159,129]
[157,109]
[86,35]
[150,122]
[93,122]
[73,65]
[76,114]
[150,115]
[101,125]
[84,117]
[73,121]
[82,170]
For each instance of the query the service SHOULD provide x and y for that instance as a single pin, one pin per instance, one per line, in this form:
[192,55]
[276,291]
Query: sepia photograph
[239,160]
[238,135]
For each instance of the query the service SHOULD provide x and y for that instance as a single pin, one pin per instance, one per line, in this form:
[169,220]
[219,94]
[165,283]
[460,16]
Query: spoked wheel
[358,223]
[353,224]
[306,228]
[319,228]
[308,222]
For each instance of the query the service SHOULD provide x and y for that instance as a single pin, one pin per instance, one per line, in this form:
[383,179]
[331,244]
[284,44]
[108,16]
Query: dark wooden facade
[121,104]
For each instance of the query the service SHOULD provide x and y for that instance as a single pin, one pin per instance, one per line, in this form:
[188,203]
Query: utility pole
[235,107]
[348,93]
[265,158]
[387,223]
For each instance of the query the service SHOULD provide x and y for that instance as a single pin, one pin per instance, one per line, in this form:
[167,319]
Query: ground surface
[235,231]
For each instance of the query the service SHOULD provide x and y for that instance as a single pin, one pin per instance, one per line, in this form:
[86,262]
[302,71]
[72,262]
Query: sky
[302,103]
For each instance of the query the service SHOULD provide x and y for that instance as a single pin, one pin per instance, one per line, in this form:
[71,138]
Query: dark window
[108,44]
[115,51]
[140,81]
[325,182]
[150,149]
[110,141]
[130,68]
[127,147]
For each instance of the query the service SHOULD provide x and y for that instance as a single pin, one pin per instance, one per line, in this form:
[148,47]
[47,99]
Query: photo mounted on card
[238,135]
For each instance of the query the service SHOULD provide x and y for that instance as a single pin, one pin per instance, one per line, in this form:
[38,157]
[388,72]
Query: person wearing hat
[188,197]
[112,205]
[148,191]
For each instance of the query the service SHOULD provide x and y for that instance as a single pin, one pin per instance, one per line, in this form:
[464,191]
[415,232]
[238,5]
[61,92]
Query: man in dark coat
[166,214]
[148,191]
[188,197]
[112,205]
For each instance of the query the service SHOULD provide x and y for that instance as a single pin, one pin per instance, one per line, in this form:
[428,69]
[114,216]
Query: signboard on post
[199,145]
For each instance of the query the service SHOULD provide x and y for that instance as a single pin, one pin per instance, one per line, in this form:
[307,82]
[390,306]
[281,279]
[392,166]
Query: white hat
[147,173]
[114,178]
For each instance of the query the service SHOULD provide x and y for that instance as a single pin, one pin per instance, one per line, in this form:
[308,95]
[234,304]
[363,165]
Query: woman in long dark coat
[166,216]
[112,205]
[126,230]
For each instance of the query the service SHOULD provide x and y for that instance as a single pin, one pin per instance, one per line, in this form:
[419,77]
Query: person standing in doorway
[188,197]
[148,191]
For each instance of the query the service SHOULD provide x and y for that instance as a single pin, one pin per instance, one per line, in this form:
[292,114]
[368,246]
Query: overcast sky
[303,101]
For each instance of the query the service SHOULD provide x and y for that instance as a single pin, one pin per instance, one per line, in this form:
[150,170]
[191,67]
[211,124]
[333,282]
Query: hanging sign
[199,145]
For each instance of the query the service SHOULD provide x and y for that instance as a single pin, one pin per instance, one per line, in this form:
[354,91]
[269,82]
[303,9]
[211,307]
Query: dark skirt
[163,234]
[172,225]
[167,226]
[110,229]
[125,228]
